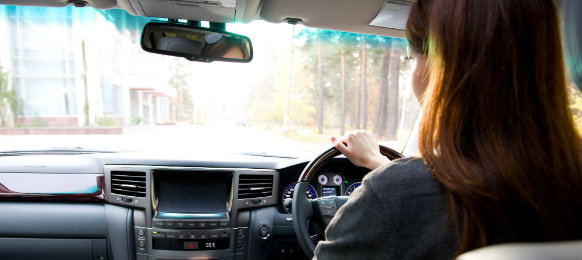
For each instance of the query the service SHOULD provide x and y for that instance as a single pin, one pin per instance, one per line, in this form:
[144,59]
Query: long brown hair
[496,129]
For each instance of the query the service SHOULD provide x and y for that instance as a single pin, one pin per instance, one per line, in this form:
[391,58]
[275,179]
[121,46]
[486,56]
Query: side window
[575,103]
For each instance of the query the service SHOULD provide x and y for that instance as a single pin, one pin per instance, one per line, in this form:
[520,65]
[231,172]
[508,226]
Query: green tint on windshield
[77,77]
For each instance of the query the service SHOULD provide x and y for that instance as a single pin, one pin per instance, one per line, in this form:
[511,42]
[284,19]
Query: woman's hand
[361,148]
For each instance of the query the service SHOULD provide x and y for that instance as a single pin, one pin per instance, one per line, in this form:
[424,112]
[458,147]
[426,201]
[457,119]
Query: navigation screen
[192,192]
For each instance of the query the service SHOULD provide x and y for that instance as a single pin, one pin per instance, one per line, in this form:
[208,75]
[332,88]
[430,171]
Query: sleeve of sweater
[360,229]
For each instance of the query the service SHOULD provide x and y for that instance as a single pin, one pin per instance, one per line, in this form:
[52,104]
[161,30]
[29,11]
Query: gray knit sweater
[399,212]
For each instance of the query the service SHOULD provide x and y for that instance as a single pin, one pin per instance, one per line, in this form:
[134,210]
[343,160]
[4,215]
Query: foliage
[105,121]
[38,122]
[135,120]
[10,104]
[316,98]
[184,100]
[576,105]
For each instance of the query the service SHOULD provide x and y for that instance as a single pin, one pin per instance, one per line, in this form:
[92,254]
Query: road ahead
[175,138]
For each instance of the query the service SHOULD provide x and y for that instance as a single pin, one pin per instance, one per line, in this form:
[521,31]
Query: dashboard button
[212,224]
[203,235]
[156,234]
[202,224]
[190,224]
[191,245]
[223,224]
[213,235]
[159,223]
[182,235]
[240,233]
[224,234]
[171,235]
[169,224]
[141,233]
[141,244]
[179,224]
[239,243]
[192,235]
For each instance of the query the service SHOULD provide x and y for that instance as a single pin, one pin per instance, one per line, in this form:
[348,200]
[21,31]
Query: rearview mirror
[195,43]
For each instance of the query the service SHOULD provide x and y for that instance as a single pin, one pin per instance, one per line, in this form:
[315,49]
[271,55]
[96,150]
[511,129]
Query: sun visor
[393,15]
[222,11]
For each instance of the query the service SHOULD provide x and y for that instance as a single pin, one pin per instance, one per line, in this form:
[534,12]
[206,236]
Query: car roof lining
[352,16]
[346,15]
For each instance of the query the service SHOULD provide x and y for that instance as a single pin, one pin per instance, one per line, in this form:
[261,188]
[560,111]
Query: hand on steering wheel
[321,210]
[361,148]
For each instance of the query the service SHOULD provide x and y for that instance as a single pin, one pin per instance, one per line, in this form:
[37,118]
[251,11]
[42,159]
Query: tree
[9,101]
[85,85]
[364,84]
[393,87]
[382,105]
[320,85]
[184,102]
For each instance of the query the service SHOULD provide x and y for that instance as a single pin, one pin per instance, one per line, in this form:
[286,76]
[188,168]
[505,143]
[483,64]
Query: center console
[191,213]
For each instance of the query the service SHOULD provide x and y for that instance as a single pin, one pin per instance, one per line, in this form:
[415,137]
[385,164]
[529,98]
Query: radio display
[192,192]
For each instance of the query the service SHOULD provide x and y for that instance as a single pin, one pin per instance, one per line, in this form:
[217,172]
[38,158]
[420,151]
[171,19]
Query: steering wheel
[320,210]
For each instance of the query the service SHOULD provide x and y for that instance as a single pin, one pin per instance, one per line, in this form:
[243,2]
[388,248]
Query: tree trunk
[364,85]
[320,85]
[85,86]
[392,116]
[343,94]
[358,94]
[289,82]
[382,105]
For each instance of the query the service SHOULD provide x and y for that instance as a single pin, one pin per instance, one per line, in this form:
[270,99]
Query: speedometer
[288,194]
[352,188]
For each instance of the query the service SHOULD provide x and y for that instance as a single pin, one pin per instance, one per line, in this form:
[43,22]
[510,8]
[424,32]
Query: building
[76,67]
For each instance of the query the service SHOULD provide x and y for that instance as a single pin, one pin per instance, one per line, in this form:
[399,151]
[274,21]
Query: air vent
[128,183]
[255,186]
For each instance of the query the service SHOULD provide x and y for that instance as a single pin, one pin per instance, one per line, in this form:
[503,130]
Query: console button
[191,245]
[159,223]
[213,235]
[223,224]
[202,224]
[240,233]
[182,235]
[239,243]
[179,224]
[190,224]
[141,244]
[192,235]
[171,235]
[224,234]
[141,233]
[156,234]
[169,224]
[212,224]
[127,200]
[264,231]
[203,235]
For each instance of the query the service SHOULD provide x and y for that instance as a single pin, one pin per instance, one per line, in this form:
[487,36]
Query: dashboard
[157,206]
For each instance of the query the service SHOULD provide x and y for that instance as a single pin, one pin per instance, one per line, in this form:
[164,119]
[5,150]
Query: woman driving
[501,160]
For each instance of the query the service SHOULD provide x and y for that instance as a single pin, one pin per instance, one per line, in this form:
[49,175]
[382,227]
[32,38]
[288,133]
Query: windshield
[77,77]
